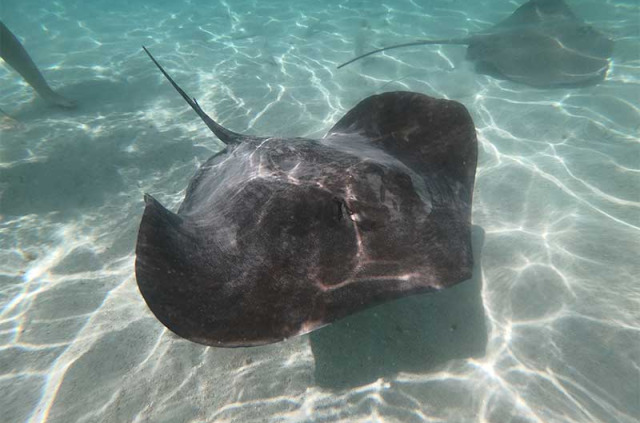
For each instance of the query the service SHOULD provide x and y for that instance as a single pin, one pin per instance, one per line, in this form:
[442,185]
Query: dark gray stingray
[542,44]
[277,237]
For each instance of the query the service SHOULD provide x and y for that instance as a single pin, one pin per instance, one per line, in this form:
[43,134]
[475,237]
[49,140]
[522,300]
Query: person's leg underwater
[17,57]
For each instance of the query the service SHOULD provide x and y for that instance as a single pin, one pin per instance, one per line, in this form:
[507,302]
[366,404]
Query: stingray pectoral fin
[429,135]
[225,135]
[166,251]
[158,212]
[199,291]
[163,243]
[462,41]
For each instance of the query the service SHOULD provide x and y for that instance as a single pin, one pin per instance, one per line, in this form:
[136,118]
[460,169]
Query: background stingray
[277,237]
[542,44]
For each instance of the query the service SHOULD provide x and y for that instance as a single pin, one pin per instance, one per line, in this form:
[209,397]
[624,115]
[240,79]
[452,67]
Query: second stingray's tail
[462,41]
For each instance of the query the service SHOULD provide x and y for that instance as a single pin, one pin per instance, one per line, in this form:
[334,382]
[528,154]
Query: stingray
[542,44]
[278,236]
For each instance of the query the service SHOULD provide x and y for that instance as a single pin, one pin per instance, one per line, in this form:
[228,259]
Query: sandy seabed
[547,331]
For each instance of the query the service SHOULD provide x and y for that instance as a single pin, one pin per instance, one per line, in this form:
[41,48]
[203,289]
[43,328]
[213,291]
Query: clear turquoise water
[550,334]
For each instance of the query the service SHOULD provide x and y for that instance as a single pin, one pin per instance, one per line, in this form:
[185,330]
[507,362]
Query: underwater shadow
[85,175]
[416,334]
[93,97]
[80,170]
[75,176]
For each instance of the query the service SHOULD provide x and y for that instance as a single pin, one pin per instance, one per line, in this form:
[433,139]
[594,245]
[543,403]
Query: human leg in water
[17,57]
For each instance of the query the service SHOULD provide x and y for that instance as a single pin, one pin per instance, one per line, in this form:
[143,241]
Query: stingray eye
[339,207]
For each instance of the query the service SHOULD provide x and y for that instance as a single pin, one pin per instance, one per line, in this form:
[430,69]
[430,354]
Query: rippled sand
[547,331]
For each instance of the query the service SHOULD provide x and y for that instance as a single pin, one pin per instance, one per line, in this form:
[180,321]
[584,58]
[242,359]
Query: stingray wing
[537,12]
[565,54]
[434,137]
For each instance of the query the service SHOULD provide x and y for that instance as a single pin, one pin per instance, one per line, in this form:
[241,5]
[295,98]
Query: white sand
[557,193]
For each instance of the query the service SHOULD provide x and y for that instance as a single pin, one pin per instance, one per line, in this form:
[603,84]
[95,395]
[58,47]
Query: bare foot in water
[55,99]
[7,122]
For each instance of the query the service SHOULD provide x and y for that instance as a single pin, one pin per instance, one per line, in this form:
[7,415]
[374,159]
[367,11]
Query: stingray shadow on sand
[418,334]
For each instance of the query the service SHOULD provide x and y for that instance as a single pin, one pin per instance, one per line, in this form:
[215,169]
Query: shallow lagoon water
[547,332]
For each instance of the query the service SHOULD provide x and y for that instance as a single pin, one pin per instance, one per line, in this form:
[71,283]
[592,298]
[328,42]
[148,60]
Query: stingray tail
[226,136]
[460,41]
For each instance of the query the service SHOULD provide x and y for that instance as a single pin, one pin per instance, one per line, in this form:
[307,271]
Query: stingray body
[277,237]
[542,44]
